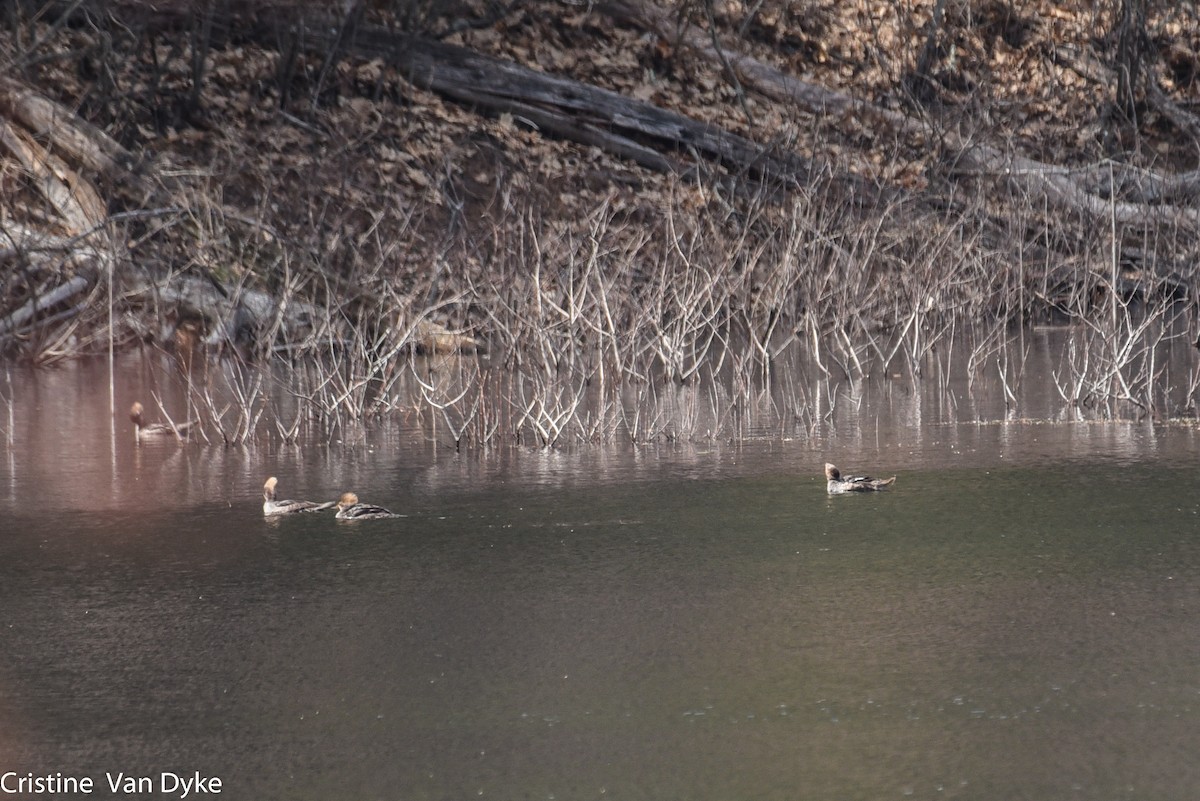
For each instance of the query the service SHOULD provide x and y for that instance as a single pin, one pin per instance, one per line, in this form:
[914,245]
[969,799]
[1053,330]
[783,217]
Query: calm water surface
[1016,620]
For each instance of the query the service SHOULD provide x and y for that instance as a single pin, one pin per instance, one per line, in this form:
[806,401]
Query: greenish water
[1022,632]
[1017,619]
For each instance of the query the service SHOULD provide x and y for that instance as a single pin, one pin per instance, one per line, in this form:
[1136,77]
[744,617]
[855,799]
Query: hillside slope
[952,161]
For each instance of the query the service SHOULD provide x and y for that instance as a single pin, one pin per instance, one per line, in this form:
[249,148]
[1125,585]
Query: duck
[837,485]
[156,430]
[349,508]
[272,507]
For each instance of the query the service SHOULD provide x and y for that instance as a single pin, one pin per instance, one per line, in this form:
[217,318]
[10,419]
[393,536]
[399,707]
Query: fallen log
[86,144]
[234,318]
[48,300]
[624,126]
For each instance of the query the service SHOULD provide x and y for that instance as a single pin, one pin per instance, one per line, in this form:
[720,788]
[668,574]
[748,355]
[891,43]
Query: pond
[1015,619]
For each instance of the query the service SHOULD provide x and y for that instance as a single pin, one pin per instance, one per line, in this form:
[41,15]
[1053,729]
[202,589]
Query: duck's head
[269,488]
[832,473]
[348,499]
[135,413]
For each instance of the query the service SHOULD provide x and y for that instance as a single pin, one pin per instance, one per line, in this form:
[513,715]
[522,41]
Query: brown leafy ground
[337,181]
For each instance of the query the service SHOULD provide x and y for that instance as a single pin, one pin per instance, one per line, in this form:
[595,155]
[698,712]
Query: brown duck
[837,484]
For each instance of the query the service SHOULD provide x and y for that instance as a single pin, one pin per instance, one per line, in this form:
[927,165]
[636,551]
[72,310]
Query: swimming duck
[273,507]
[838,485]
[350,509]
[157,430]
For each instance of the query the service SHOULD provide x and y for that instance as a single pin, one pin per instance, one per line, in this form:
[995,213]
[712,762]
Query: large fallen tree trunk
[79,140]
[651,136]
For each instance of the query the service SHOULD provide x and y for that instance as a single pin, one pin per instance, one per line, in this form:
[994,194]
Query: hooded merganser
[350,509]
[837,485]
[273,507]
[157,430]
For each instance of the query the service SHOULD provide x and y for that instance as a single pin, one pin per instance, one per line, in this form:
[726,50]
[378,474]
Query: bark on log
[78,205]
[19,317]
[587,114]
[83,142]
[234,318]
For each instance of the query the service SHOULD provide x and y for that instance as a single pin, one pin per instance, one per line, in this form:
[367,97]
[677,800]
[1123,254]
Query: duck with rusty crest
[836,483]
[143,430]
[349,508]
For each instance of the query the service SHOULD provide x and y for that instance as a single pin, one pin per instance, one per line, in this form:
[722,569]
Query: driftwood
[243,316]
[78,205]
[73,286]
[65,244]
[236,317]
[83,142]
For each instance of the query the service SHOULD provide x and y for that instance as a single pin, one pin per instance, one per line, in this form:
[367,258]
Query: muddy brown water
[1017,619]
